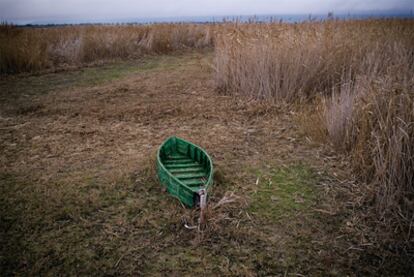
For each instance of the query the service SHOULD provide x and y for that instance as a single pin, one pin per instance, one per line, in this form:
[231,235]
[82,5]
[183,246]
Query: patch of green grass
[284,192]
[89,226]
[57,228]
[128,226]
[99,75]
[88,76]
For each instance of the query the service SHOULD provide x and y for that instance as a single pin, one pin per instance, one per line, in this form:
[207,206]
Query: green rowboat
[185,169]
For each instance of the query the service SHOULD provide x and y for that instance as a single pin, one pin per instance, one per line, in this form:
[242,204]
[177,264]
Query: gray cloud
[118,9]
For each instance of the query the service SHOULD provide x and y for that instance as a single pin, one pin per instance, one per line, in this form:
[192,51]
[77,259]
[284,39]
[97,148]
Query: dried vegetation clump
[362,75]
[34,49]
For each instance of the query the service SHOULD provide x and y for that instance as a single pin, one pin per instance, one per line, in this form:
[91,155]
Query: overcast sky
[26,10]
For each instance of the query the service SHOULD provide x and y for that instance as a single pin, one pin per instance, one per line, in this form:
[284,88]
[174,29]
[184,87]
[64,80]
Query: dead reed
[364,73]
[30,49]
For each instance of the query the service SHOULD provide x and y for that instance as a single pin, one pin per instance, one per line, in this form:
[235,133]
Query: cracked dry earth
[79,196]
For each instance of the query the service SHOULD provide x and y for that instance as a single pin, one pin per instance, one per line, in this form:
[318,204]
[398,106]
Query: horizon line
[212,18]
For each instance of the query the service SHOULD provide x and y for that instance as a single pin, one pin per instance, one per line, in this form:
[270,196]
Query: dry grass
[29,49]
[364,72]
[80,192]
[288,61]
[80,196]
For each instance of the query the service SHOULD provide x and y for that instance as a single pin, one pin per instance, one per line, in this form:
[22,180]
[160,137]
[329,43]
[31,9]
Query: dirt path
[79,195]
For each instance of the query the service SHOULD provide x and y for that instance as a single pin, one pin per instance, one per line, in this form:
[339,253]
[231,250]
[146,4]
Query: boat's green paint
[184,169]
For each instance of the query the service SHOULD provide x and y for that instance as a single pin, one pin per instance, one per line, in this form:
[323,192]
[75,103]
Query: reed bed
[360,72]
[34,49]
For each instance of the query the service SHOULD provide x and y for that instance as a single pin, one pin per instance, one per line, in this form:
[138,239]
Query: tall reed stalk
[33,49]
[364,73]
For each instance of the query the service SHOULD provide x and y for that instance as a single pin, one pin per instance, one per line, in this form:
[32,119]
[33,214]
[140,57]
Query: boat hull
[185,169]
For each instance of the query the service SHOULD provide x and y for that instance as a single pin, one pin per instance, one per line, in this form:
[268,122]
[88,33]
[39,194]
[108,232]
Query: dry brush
[360,72]
[34,49]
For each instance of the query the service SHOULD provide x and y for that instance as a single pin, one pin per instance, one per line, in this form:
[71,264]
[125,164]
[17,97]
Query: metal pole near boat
[203,204]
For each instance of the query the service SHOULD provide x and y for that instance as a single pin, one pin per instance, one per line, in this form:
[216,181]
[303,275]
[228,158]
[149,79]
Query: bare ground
[79,195]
